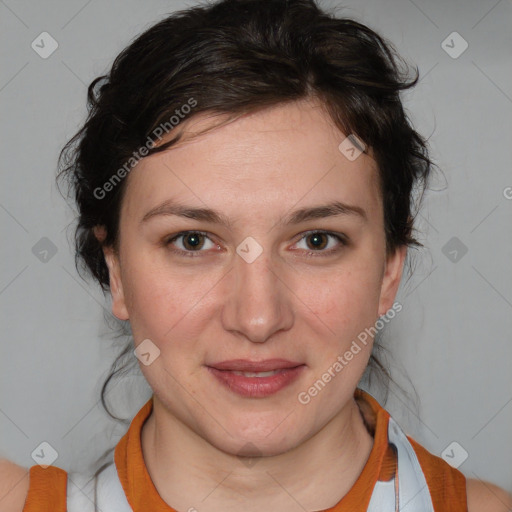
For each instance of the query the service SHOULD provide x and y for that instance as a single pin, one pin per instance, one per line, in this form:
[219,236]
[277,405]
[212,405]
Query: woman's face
[255,281]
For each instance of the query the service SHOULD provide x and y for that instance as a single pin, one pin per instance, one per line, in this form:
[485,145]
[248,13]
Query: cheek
[166,304]
[175,303]
[347,300]
[153,302]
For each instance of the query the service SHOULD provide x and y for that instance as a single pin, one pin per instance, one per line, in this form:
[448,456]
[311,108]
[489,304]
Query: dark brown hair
[234,57]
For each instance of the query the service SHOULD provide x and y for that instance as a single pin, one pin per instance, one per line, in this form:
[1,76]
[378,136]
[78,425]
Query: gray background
[453,335]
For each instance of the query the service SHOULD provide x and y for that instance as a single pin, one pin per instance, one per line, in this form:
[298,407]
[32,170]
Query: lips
[256,379]
[245,365]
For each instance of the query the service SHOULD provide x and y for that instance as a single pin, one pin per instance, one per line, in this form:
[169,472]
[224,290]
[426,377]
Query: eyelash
[192,254]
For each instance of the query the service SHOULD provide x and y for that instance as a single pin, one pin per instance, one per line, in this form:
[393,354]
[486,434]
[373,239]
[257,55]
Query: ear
[391,278]
[116,285]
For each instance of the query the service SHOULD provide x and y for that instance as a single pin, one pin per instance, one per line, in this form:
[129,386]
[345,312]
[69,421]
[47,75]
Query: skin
[255,171]
[214,307]
[218,307]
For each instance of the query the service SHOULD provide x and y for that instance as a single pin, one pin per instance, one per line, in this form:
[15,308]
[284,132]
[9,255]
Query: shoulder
[449,485]
[486,497]
[14,485]
[29,489]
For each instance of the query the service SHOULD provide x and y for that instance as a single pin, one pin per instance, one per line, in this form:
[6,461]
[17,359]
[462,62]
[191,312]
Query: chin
[253,449]
[249,442]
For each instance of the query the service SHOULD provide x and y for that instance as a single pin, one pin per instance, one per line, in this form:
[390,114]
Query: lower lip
[257,387]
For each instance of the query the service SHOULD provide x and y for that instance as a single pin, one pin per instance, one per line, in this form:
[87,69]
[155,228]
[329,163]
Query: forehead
[262,163]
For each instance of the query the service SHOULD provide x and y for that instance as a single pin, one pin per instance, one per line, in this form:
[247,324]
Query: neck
[189,472]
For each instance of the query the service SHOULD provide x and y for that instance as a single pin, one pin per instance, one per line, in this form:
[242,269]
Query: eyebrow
[336,208]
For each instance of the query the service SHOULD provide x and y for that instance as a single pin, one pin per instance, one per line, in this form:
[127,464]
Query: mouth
[256,379]
[255,374]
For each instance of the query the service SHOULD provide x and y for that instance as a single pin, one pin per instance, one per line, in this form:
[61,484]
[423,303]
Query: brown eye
[318,240]
[318,243]
[193,241]
[189,242]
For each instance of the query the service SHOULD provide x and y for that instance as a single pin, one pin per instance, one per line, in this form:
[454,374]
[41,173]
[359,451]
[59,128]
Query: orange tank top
[447,485]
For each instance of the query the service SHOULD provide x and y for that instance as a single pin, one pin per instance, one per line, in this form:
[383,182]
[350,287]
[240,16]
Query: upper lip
[245,365]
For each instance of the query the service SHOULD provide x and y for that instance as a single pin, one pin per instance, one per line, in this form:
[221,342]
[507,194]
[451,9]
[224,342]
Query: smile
[253,383]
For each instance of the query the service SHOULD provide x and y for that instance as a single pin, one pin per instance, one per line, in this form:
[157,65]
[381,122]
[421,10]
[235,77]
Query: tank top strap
[408,489]
[47,490]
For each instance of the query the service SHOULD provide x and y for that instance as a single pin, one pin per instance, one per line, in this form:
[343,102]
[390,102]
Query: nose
[258,299]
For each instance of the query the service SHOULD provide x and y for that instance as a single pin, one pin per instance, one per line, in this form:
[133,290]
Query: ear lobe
[391,279]
[100,232]
[116,286]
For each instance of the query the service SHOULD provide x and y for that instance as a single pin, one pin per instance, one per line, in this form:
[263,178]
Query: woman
[244,185]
